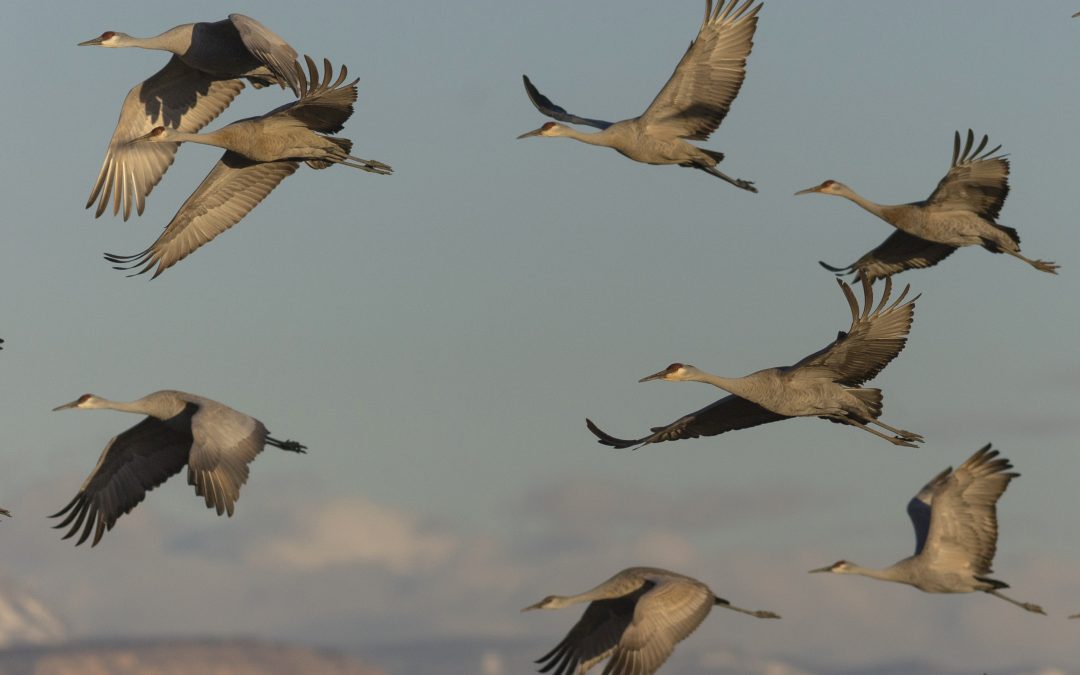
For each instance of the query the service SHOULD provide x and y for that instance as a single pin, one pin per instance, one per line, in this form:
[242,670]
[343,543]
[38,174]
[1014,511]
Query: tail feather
[993,582]
[870,397]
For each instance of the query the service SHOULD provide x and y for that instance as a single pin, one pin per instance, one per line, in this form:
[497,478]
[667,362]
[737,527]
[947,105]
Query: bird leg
[760,613]
[906,435]
[737,182]
[369,165]
[895,440]
[291,446]
[1031,607]
[1041,265]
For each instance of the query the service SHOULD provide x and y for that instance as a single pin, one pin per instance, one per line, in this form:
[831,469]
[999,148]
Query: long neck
[892,573]
[736,385]
[218,138]
[176,40]
[154,407]
[592,138]
[873,207]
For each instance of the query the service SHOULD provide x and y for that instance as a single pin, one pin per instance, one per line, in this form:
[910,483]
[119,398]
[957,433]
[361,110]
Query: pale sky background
[437,337]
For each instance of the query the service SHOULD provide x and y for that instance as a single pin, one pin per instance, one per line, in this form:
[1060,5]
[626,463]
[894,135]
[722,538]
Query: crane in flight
[259,153]
[825,384]
[962,211]
[215,442]
[691,105]
[636,618]
[956,531]
[195,86]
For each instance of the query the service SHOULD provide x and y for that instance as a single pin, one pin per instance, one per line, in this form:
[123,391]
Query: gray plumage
[962,211]
[690,106]
[199,81]
[635,619]
[259,153]
[825,384]
[215,442]
[955,521]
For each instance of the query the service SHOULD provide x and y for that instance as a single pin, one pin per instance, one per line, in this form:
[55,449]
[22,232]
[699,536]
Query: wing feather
[664,616]
[900,251]
[873,340]
[225,442]
[133,463]
[727,414]
[699,93]
[269,48]
[232,188]
[545,106]
[177,96]
[977,181]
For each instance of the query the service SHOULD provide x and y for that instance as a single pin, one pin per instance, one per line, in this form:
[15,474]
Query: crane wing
[699,93]
[545,106]
[269,48]
[133,463]
[225,442]
[593,637]
[232,188]
[664,616]
[323,105]
[900,251]
[874,339]
[177,96]
[977,181]
[728,414]
[963,513]
[918,509]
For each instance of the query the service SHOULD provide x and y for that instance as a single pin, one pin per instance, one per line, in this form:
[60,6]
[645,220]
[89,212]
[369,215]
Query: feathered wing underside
[133,463]
[977,181]
[699,93]
[224,443]
[232,188]
[900,251]
[324,104]
[727,414]
[593,637]
[269,48]
[876,336]
[664,616]
[918,509]
[545,106]
[963,513]
[178,97]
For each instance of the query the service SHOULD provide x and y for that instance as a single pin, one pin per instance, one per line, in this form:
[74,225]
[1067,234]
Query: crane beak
[534,132]
[90,43]
[538,605]
[822,569]
[816,188]
[73,404]
[654,376]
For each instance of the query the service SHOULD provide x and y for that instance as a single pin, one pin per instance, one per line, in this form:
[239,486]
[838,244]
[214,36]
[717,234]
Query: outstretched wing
[727,414]
[593,637]
[232,188]
[977,181]
[178,97]
[323,105]
[918,509]
[269,48]
[225,442]
[664,616]
[900,251]
[874,339]
[699,93]
[132,464]
[963,513]
[545,106]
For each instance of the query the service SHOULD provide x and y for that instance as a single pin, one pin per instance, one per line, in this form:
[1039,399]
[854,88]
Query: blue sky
[437,337]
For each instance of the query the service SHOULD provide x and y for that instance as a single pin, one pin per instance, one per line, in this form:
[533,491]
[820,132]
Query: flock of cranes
[635,619]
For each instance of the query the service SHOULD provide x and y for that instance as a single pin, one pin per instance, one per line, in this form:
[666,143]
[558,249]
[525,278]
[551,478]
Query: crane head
[107,39]
[838,567]
[548,129]
[159,134]
[84,401]
[674,372]
[829,187]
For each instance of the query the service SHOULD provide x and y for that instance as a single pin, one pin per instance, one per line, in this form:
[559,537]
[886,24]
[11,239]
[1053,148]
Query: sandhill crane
[825,384]
[259,153]
[961,211]
[955,521]
[198,82]
[215,442]
[636,617]
[691,105]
